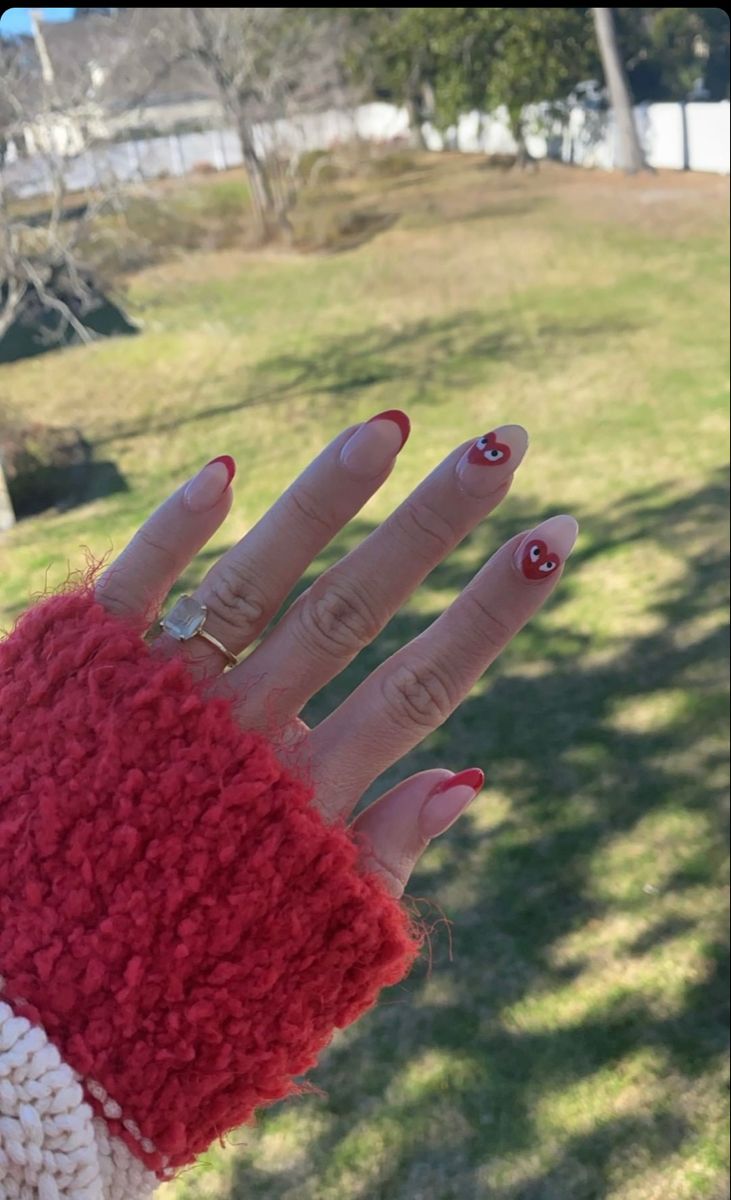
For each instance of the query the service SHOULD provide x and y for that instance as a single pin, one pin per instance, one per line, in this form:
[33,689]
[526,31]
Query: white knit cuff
[51,1145]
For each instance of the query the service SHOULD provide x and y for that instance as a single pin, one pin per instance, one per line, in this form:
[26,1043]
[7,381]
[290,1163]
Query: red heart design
[537,561]
[487,451]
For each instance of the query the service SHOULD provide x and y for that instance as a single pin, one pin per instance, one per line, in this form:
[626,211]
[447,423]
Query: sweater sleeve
[51,1144]
[180,931]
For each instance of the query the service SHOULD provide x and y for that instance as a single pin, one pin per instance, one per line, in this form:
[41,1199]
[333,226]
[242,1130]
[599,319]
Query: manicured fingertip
[448,800]
[372,448]
[473,777]
[228,462]
[208,486]
[490,461]
[544,550]
[399,418]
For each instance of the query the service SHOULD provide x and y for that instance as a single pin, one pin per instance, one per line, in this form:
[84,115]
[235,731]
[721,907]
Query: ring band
[232,659]
[186,620]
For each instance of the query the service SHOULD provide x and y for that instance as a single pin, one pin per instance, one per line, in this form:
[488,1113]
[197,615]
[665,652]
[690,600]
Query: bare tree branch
[39,251]
[266,65]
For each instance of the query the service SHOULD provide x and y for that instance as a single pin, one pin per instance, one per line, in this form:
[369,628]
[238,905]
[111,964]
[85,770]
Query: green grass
[573,1047]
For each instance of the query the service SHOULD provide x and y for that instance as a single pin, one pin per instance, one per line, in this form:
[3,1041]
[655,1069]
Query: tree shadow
[420,356]
[347,230]
[64,487]
[580,779]
[40,328]
[447,211]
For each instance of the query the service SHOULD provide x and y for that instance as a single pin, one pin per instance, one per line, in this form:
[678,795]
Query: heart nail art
[488,451]
[537,561]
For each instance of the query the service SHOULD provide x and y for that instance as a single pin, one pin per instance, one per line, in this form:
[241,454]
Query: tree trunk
[261,193]
[12,293]
[523,157]
[414,109]
[282,182]
[629,157]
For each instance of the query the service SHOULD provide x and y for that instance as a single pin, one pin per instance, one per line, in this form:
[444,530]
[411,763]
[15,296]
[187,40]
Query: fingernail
[206,488]
[546,547]
[374,446]
[489,461]
[448,800]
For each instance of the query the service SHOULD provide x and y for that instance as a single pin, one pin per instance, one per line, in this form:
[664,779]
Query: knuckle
[234,598]
[113,601]
[395,875]
[163,556]
[338,622]
[305,510]
[417,697]
[420,525]
[480,616]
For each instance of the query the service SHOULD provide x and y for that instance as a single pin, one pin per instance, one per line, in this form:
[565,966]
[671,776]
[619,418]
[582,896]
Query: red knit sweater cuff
[173,909]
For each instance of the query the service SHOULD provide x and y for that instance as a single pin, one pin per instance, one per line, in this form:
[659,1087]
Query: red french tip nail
[228,463]
[473,777]
[399,418]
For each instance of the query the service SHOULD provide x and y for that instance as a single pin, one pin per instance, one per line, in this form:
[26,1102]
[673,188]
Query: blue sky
[17,20]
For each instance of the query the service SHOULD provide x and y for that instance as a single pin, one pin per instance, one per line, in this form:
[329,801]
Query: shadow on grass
[339,231]
[444,212]
[422,357]
[578,780]
[65,487]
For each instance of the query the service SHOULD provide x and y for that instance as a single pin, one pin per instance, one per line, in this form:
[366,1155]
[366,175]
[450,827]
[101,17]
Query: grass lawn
[573,1045]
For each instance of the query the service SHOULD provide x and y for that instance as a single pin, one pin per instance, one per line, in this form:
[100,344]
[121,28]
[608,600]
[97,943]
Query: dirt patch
[658,202]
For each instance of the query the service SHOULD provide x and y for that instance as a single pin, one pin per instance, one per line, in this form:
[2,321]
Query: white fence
[675,136]
[678,137]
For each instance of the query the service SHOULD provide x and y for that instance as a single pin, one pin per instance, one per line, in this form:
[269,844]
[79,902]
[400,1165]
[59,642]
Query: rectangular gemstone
[186,618]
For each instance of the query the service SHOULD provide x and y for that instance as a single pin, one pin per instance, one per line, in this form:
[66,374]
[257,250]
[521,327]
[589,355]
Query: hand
[417,688]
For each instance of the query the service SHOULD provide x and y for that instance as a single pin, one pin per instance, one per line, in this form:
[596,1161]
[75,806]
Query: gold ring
[186,620]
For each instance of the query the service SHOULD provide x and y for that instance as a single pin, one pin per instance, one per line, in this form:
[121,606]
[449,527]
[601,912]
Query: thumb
[395,830]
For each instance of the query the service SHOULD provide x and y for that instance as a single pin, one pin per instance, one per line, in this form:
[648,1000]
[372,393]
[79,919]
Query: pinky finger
[395,830]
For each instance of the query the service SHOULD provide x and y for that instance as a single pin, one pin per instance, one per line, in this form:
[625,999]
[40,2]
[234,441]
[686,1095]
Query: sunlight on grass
[622,1088]
[643,862]
[642,714]
[432,1072]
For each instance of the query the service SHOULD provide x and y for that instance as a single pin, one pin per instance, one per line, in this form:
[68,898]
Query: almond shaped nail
[207,487]
[399,418]
[491,459]
[543,551]
[374,446]
[448,800]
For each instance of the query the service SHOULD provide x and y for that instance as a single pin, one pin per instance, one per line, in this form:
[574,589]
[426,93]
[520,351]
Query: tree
[629,154]
[266,64]
[536,55]
[475,58]
[669,52]
[43,271]
[12,65]
[395,53]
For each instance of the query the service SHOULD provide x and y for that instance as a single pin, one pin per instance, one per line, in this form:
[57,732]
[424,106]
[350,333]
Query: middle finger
[347,606]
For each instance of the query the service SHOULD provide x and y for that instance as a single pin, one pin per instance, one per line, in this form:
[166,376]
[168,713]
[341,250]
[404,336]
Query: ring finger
[244,589]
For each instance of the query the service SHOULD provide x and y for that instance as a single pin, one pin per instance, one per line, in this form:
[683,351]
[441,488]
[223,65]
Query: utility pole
[41,48]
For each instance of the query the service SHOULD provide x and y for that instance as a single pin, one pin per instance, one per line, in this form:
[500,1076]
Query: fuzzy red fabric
[173,910]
